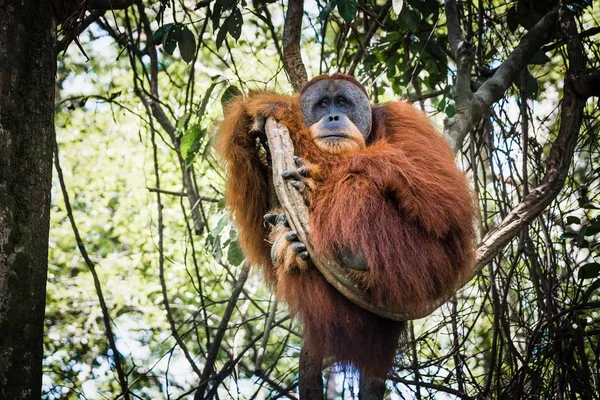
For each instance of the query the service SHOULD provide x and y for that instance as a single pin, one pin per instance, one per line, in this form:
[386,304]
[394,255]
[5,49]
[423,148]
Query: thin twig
[161,259]
[106,319]
[216,344]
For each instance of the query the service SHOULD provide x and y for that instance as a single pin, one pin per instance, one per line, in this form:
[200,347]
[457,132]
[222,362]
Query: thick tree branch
[465,57]
[538,199]
[470,107]
[532,205]
[493,89]
[559,159]
[292,58]
[454,31]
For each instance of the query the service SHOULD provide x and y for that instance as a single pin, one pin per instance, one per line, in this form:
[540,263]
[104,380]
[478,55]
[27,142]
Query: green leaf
[187,44]
[589,270]
[573,220]
[226,3]
[428,8]
[217,250]
[158,36]
[539,58]
[190,143]
[220,225]
[590,290]
[532,86]
[231,92]
[581,236]
[182,122]
[347,9]
[397,6]
[568,235]
[512,19]
[214,234]
[411,18]
[235,256]
[202,110]
[450,110]
[216,15]
[234,24]
[171,38]
[327,10]
[590,206]
[442,105]
[587,230]
[591,230]
[221,35]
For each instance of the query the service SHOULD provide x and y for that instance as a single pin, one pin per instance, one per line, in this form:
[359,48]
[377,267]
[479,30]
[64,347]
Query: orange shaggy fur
[400,201]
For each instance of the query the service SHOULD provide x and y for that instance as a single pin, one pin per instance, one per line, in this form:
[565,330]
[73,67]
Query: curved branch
[292,59]
[292,202]
[533,204]
[470,106]
[540,197]
[559,161]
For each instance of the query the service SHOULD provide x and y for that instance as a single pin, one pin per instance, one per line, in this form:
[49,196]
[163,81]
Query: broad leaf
[171,38]
[226,3]
[187,45]
[221,35]
[327,10]
[182,123]
[397,6]
[235,256]
[589,270]
[347,9]
[231,92]
[216,15]
[539,58]
[160,33]
[190,143]
[411,19]
[234,23]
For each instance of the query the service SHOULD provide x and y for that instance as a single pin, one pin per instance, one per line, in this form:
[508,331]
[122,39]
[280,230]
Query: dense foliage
[138,102]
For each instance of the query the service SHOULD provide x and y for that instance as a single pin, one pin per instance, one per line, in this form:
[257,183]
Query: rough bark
[533,204]
[292,58]
[471,106]
[27,73]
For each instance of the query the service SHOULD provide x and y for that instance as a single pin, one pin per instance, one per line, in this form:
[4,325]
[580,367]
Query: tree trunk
[27,74]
